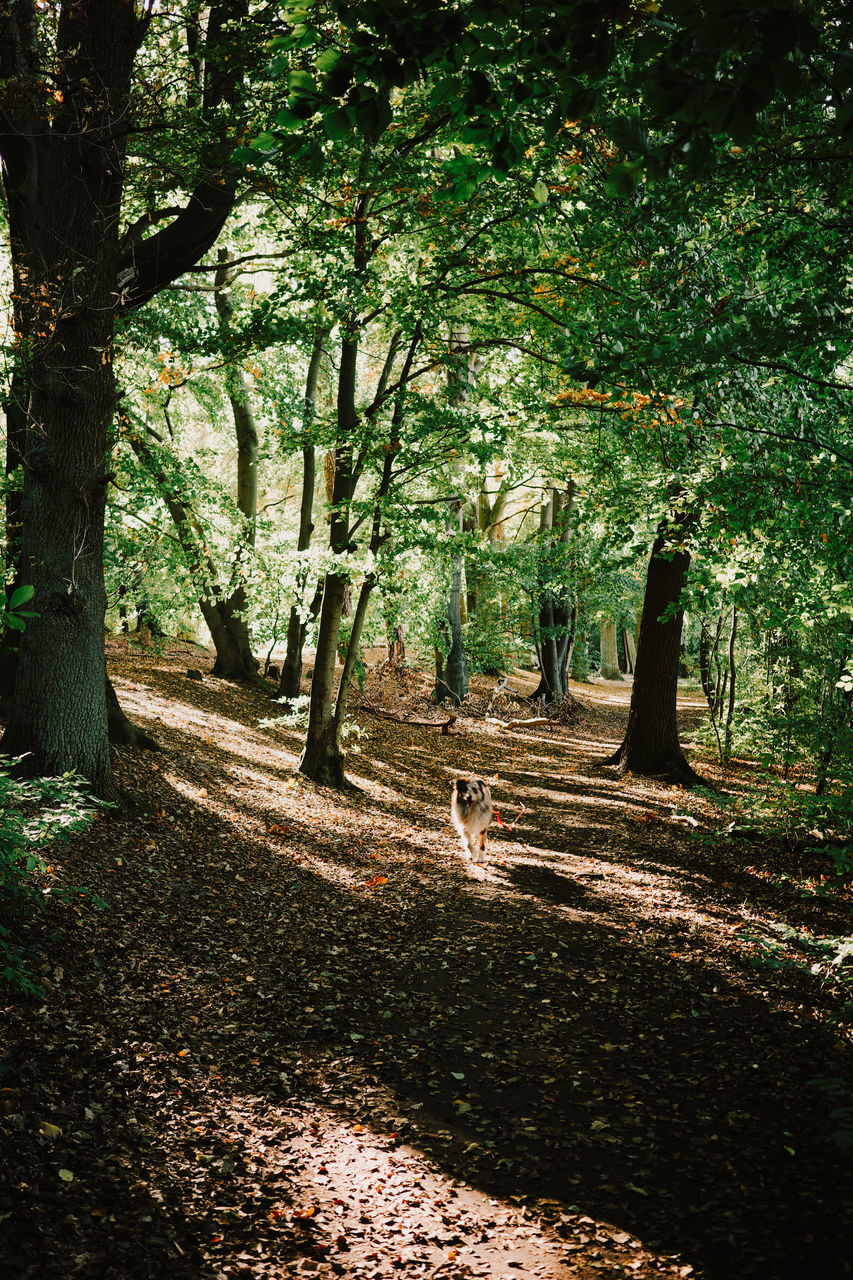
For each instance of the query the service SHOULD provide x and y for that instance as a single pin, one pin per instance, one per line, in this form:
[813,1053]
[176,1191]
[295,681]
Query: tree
[297,625]
[609,651]
[67,76]
[651,744]
[557,610]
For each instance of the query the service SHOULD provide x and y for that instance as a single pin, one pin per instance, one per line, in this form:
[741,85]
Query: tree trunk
[352,654]
[235,659]
[451,675]
[321,759]
[452,680]
[630,649]
[580,658]
[730,713]
[548,689]
[651,745]
[122,732]
[837,717]
[557,617]
[609,651]
[63,190]
[297,627]
[62,147]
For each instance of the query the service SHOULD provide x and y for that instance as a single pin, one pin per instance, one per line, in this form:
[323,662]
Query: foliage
[15,615]
[33,816]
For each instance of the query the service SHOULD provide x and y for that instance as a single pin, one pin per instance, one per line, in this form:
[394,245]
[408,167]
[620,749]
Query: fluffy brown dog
[471,815]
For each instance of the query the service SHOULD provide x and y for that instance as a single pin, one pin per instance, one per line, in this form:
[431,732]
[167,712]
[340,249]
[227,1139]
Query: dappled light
[308,1037]
[426,662]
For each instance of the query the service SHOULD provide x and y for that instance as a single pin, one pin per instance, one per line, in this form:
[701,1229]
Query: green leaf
[289,120]
[540,192]
[263,142]
[328,60]
[300,82]
[338,123]
[21,596]
[14,622]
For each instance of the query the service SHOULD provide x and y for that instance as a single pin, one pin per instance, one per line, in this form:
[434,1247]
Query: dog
[471,814]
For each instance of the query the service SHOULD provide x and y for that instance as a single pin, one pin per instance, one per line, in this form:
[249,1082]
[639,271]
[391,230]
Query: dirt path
[307,1038]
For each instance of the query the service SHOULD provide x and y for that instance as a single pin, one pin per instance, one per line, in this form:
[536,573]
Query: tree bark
[452,680]
[62,147]
[451,673]
[557,616]
[609,651]
[630,648]
[63,189]
[122,731]
[297,626]
[321,759]
[651,745]
[730,713]
[235,658]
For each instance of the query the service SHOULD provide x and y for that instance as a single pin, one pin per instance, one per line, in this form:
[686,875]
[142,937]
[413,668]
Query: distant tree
[651,743]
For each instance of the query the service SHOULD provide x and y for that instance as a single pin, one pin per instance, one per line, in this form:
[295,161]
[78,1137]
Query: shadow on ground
[535,1033]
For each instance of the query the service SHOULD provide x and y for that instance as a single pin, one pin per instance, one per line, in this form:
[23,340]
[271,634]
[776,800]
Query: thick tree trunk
[231,639]
[63,192]
[62,146]
[122,731]
[651,745]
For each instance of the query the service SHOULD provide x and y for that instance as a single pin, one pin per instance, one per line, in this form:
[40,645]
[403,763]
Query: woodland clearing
[306,1037]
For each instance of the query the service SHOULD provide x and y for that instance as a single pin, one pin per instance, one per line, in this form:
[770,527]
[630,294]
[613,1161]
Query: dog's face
[470,791]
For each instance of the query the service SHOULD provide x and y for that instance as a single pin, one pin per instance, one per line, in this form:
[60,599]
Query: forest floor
[306,1037]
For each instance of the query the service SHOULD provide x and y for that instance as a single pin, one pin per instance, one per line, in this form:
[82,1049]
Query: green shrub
[33,815]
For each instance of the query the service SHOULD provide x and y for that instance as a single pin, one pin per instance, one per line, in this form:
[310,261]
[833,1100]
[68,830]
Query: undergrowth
[34,814]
